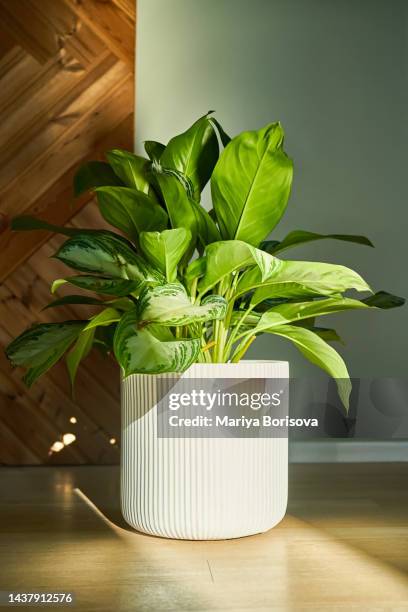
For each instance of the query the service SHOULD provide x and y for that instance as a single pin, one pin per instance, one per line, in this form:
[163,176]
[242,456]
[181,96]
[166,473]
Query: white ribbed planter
[199,488]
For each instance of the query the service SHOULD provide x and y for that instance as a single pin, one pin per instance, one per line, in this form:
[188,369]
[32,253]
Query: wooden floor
[343,545]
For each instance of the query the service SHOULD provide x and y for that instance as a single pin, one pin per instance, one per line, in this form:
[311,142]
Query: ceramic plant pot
[199,488]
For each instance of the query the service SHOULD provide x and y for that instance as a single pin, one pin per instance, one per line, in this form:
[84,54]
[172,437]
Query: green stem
[193,290]
[233,337]
[242,349]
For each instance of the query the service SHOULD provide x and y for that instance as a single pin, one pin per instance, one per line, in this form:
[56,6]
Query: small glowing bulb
[112,441]
[73,420]
[68,438]
[57,447]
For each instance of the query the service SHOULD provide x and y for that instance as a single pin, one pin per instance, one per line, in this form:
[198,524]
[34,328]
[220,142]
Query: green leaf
[225,139]
[79,351]
[165,249]
[130,168]
[301,237]
[94,174]
[294,312]
[130,210]
[300,279]
[178,204]
[194,153]
[154,149]
[170,305]
[326,333]
[73,299]
[109,256]
[108,286]
[104,318]
[195,269]
[382,299]
[139,350]
[228,256]
[26,223]
[251,184]
[41,346]
[318,352]
[207,230]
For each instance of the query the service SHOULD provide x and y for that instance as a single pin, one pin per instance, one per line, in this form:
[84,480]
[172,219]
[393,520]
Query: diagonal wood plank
[112,21]
[56,205]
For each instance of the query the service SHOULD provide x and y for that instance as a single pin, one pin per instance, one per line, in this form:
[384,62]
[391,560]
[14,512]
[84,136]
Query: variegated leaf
[170,305]
[299,279]
[143,350]
[107,255]
[118,287]
[40,347]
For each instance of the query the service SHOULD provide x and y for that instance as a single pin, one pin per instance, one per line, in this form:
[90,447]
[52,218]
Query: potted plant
[182,290]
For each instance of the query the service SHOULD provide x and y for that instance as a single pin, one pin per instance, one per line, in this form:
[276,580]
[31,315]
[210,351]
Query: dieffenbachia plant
[176,284]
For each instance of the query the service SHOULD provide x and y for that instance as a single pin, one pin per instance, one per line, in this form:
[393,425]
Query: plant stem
[233,337]
[193,290]
[242,349]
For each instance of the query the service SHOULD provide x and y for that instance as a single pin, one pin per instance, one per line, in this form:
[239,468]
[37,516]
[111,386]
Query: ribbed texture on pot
[199,488]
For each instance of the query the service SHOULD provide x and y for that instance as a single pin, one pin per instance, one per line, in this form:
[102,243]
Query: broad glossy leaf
[194,153]
[118,287]
[165,249]
[79,351]
[130,210]
[207,230]
[318,352]
[109,256]
[225,139]
[130,168]
[139,350]
[228,256]
[154,149]
[251,184]
[382,299]
[94,174]
[294,312]
[170,305]
[195,270]
[40,347]
[301,237]
[103,319]
[179,207]
[300,278]
[74,299]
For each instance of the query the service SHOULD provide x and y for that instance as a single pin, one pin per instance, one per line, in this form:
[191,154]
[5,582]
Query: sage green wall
[334,73]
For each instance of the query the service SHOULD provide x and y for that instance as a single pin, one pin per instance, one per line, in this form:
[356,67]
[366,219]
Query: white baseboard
[347,451]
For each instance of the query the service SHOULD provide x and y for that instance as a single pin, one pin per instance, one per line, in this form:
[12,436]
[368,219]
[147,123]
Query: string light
[68,438]
[112,441]
[73,420]
[57,447]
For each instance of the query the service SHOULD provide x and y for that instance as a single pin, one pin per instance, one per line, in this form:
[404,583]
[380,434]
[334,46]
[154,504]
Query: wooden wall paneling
[57,205]
[66,95]
[13,450]
[44,112]
[27,26]
[7,42]
[113,25]
[101,105]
